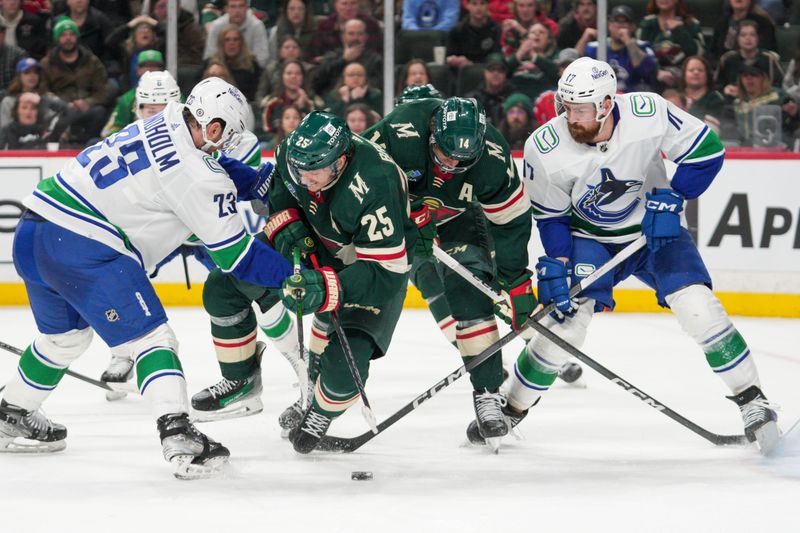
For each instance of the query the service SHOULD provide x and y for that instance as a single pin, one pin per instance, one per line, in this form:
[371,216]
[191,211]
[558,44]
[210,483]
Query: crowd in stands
[69,68]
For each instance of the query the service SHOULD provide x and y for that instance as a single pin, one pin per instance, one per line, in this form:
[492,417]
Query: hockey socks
[237,357]
[278,326]
[533,376]
[728,356]
[472,337]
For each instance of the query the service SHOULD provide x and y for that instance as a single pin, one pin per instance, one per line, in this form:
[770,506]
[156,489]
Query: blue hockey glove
[251,184]
[662,217]
[553,286]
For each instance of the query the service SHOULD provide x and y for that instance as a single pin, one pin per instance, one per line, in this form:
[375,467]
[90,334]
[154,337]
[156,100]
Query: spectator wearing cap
[474,37]
[239,14]
[632,60]
[94,27]
[726,30]
[580,25]
[354,49]
[515,30]
[25,132]
[9,57]
[26,30]
[77,76]
[439,15]
[755,90]
[532,67]
[131,38]
[52,110]
[674,34]
[329,31]
[494,89]
[124,112]
[544,107]
[517,123]
[747,53]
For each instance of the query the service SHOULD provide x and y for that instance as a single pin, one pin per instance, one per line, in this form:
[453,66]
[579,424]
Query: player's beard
[582,134]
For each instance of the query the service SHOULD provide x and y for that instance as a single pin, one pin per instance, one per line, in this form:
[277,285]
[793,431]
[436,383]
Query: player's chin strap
[468,276]
[342,444]
[115,387]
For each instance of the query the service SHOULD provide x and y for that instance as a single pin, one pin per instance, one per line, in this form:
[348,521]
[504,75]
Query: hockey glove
[251,184]
[519,295]
[426,229]
[200,253]
[662,217]
[314,291]
[553,286]
[286,232]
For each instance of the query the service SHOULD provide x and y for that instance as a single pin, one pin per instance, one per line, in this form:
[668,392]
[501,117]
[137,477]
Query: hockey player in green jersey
[353,199]
[461,174]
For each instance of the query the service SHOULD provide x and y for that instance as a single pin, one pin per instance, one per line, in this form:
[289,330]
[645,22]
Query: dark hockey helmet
[418,92]
[318,142]
[459,131]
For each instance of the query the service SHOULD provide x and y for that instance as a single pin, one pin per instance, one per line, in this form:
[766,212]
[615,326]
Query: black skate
[24,431]
[312,428]
[513,418]
[489,416]
[571,373]
[230,398]
[120,370]
[760,420]
[193,454]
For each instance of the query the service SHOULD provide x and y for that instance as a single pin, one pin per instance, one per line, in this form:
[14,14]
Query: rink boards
[747,226]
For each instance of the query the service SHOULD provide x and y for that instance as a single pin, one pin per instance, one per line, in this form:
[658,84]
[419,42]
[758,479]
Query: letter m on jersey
[358,188]
[404,130]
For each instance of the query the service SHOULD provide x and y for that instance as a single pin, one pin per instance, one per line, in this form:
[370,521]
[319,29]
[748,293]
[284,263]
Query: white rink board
[735,265]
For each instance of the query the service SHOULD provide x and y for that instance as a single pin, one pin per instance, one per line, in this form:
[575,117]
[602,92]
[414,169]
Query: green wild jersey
[362,224]
[492,182]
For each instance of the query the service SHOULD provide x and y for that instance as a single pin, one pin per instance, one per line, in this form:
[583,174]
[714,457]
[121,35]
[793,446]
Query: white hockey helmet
[587,80]
[214,98]
[156,88]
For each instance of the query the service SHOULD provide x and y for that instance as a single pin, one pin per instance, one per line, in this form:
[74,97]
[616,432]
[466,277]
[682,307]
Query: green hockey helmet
[418,92]
[459,131]
[318,142]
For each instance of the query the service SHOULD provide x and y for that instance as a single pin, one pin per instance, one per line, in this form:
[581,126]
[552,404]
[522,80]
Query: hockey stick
[600,369]
[366,408]
[344,444]
[115,387]
[299,317]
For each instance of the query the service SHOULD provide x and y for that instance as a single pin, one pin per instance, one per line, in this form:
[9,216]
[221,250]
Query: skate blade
[236,410]
[20,445]
[767,437]
[113,396]
[187,471]
[494,444]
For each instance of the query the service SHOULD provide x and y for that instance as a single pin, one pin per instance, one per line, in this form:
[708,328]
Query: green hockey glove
[315,291]
[520,299]
[286,231]
[426,229]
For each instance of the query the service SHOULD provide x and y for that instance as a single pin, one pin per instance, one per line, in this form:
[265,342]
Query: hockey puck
[361,476]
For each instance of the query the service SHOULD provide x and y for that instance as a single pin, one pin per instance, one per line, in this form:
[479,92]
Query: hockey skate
[120,370]
[489,418]
[570,373]
[24,431]
[760,419]
[194,455]
[312,428]
[230,398]
[513,418]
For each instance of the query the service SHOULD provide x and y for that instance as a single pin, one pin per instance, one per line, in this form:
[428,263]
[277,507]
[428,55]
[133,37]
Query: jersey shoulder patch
[545,138]
[642,104]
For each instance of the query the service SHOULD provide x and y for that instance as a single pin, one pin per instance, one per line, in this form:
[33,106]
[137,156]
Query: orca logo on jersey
[605,193]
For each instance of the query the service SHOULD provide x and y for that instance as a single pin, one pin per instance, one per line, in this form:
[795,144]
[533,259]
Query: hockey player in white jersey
[596,181]
[84,245]
[154,91]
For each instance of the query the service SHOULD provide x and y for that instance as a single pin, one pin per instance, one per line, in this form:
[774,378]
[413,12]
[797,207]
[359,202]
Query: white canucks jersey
[144,191]
[601,188]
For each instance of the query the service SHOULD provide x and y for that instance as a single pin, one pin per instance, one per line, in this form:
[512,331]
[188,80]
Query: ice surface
[594,459]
